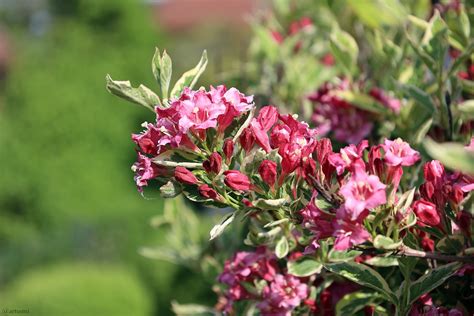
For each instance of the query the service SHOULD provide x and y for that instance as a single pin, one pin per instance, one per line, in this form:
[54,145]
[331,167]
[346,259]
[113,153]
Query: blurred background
[71,219]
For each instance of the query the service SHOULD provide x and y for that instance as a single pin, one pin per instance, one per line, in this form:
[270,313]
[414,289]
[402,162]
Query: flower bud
[268,172]
[185,176]
[228,149]
[426,213]
[247,139]
[236,180]
[207,192]
[213,164]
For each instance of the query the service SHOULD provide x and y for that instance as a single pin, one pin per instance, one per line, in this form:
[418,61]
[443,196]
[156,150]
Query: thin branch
[406,251]
[331,198]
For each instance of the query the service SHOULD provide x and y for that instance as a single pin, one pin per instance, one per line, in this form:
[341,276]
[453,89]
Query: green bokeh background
[71,220]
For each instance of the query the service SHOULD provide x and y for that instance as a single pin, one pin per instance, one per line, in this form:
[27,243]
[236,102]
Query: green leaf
[343,256]
[354,302]
[190,77]
[452,155]
[451,244]
[191,309]
[364,276]
[362,101]
[281,248]
[387,243]
[344,49]
[304,266]
[407,265]
[420,97]
[466,109]
[170,190]
[382,261]
[166,68]
[219,228]
[270,204]
[376,13]
[141,95]
[421,132]
[432,280]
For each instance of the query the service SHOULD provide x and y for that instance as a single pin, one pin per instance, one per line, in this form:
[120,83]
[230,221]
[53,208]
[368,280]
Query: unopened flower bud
[247,139]
[426,213]
[213,164]
[208,192]
[236,180]
[268,172]
[185,176]
[228,149]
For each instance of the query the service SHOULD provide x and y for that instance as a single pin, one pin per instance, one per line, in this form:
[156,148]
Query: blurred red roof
[176,15]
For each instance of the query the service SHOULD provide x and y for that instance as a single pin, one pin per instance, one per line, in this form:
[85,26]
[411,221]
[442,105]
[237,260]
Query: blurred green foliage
[64,194]
[67,289]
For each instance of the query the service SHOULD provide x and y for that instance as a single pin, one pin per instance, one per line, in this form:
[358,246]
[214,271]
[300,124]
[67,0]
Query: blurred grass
[66,192]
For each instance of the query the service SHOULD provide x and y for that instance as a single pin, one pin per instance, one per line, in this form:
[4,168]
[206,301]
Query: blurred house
[178,15]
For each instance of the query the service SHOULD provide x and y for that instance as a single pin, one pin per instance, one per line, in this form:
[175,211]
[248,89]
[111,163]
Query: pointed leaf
[304,266]
[141,95]
[219,228]
[364,276]
[189,78]
[453,155]
[432,280]
[281,248]
[166,68]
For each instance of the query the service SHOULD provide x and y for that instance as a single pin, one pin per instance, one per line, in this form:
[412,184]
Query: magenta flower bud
[426,213]
[268,172]
[247,139]
[208,192]
[213,164]
[228,149]
[185,176]
[236,180]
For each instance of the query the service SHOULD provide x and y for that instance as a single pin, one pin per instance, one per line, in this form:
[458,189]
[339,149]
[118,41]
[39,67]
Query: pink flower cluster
[361,188]
[184,122]
[346,122]
[281,294]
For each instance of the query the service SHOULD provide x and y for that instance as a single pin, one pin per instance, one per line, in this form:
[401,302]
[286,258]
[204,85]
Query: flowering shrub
[363,223]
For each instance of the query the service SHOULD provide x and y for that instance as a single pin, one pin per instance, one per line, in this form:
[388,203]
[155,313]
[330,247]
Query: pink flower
[236,180]
[268,172]
[148,140]
[197,110]
[470,147]
[281,296]
[213,164]
[260,125]
[399,153]
[144,170]
[426,213]
[348,157]
[185,176]
[347,231]
[362,192]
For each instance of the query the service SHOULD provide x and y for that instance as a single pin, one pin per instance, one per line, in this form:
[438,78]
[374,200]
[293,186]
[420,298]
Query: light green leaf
[281,248]
[452,155]
[376,13]
[421,132]
[304,266]
[219,228]
[467,110]
[362,101]
[191,309]
[432,280]
[170,190]
[166,68]
[270,204]
[387,243]
[363,275]
[141,95]
[382,261]
[343,256]
[190,77]
[344,49]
